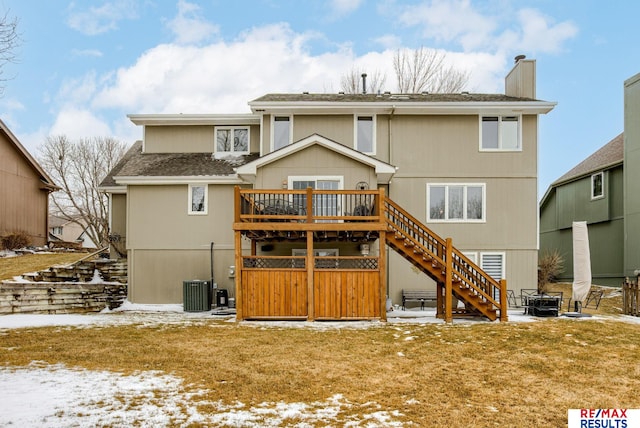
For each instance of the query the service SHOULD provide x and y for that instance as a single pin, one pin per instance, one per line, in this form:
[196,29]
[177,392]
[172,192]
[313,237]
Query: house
[24,191]
[592,191]
[311,206]
[601,191]
[64,230]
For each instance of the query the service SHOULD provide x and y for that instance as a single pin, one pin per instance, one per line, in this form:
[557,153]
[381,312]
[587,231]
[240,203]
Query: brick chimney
[521,80]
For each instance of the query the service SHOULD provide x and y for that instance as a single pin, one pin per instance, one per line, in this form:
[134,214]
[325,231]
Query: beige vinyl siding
[314,161]
[156,276]
[511,212]
[338,128]
[521,80]
[167,246]
[189,139]
[158,218]
[448,146]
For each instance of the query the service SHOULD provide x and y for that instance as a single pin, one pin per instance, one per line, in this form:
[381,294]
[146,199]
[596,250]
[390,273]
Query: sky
[84,65]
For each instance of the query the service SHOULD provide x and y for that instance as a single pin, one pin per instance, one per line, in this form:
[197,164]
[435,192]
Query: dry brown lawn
[434,375]
[14,266]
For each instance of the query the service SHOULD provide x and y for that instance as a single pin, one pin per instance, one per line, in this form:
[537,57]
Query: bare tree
[423,69]
[352,82]
[9,41]
[79,167]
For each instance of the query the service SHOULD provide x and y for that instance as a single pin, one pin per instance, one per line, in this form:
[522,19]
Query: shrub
[15,240]
[550,265]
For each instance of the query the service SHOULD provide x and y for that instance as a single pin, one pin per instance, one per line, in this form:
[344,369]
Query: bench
[421,296]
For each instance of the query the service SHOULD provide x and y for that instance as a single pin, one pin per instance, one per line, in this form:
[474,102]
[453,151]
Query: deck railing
[307,206]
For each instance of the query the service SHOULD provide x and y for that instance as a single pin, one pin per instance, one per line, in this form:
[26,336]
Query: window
[456,202]
[365,134]
[57,230]
[323,205]
[232,140]
[500,133]
[597,185]
[281,131]
[198,199]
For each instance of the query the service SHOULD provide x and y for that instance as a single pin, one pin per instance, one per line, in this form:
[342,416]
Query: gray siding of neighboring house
[572,202]
[631,182]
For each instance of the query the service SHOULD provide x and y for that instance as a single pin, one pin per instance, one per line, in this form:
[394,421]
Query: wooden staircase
[454,274]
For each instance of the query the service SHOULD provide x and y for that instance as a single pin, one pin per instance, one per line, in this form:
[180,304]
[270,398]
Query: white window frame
[273,129]
[356,118]
[602,178]
[500,147]
[205,202]
[316,178]
[471,255]
[483,218]
[231,129]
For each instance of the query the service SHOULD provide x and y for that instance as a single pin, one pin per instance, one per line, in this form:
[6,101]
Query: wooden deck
[337,288]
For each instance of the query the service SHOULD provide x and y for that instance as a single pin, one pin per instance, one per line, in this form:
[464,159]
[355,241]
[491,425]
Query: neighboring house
[62,229]
[24,191]
[593,192]
[604,191]
[312,182]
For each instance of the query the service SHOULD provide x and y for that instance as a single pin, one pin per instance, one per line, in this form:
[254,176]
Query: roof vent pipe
[364,83]
[519,57]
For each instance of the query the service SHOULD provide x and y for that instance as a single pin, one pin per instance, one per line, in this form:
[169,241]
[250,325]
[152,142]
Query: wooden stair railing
[454,273]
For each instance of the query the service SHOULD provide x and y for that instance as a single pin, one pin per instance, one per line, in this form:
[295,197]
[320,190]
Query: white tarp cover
[581,261]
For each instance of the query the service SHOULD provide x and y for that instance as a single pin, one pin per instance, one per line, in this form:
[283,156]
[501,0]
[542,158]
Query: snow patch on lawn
[54,395]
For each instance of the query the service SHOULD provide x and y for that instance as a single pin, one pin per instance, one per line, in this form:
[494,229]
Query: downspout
[389,136]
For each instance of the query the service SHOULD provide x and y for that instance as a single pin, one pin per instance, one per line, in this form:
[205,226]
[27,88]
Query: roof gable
[44,177]
[383,170]
[610,154]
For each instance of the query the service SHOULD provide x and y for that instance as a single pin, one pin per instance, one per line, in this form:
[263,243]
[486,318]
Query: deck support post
[448,283]
[239,276]
[310,268]
[503,301]
[382,255]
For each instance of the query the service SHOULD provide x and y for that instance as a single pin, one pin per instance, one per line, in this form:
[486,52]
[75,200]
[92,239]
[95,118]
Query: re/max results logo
[604,418]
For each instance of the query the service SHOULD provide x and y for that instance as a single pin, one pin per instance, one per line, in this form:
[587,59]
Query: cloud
[188,26]
[101,19]
[78,123]
[459,22]
[450,21]
[223,76]
[340,8]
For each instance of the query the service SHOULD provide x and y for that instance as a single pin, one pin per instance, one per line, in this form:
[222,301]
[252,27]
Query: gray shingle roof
[371,98]
[138,164]
[611,153]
